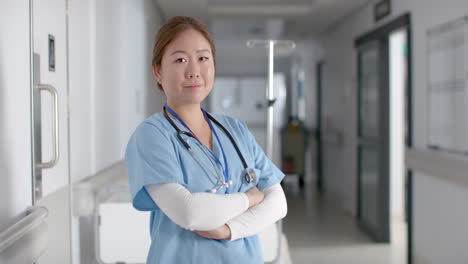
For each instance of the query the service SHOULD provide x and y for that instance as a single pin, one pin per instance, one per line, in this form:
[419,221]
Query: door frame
[318,131]
[403,21]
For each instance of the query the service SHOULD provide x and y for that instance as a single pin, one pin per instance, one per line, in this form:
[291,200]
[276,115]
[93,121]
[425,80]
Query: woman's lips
[193,86]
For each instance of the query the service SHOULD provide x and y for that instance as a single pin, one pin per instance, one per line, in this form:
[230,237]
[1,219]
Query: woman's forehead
[189,41]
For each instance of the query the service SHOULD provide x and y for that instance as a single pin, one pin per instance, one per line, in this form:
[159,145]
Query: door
[50,125]
[373,135]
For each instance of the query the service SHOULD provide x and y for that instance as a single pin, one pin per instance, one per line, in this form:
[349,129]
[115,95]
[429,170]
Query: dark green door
[373,135]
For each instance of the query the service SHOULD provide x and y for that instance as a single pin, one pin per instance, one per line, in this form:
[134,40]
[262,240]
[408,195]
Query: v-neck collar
[214,143]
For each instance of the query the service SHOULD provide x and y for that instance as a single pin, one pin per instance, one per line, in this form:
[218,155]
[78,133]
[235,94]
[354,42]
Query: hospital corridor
[247,131]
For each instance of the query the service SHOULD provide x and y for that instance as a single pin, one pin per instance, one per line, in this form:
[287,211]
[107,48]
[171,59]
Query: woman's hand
[255,196]
[221,233]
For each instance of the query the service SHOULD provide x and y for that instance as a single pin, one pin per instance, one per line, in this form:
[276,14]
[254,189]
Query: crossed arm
[214,216]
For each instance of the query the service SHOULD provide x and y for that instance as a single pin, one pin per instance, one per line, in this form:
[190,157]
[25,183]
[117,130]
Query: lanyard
[226,168]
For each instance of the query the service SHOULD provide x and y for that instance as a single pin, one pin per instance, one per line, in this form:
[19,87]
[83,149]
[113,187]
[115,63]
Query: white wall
[441,214]
[340,57]
[111,85]
[336,93]
[397,124]
[139,24]
[15,112]
[339,108]
[308,51]
[80,39]
[106,100]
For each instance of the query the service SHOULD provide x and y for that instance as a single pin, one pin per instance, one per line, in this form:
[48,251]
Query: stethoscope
[250,176]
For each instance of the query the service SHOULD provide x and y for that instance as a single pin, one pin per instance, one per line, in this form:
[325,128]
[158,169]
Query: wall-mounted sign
[51,45]
[381,9]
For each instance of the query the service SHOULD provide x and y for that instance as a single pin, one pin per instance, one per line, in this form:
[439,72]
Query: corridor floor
[319,233]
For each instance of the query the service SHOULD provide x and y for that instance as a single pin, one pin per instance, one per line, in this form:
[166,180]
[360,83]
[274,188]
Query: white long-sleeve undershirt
[206,211]
[197,211]
[271,209]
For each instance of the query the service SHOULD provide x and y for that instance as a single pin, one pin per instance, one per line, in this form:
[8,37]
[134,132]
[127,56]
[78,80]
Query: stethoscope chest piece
[250,175]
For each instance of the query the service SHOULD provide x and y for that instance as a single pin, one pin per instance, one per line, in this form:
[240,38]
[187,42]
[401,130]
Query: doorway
[384,129]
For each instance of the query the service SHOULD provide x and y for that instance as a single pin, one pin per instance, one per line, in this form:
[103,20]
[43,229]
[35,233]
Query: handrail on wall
[33,219]
[85,191]
[446,166]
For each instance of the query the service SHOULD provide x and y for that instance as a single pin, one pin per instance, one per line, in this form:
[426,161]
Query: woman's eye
[181,60]
[204,58]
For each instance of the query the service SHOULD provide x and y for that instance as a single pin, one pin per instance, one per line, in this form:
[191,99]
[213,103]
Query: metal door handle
[55,125]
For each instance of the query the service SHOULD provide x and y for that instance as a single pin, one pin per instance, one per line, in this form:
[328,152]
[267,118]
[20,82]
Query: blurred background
[369,124]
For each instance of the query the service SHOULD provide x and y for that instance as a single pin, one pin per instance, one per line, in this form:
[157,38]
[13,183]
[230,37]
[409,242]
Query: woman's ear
[157,73]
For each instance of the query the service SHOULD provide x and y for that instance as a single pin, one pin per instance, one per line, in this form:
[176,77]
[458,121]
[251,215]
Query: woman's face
[187,69]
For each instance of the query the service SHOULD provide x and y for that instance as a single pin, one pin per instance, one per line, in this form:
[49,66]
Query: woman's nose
[193,71]
[191,75]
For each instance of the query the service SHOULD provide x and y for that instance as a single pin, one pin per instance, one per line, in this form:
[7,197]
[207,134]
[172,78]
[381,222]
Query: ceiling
[274,19]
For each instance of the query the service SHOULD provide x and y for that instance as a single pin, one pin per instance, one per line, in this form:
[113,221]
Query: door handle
[55,125]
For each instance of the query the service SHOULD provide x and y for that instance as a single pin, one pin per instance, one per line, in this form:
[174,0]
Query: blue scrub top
[155,155]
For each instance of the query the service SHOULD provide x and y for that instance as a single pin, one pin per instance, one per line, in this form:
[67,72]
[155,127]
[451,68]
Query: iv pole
[270,93]
[270,90]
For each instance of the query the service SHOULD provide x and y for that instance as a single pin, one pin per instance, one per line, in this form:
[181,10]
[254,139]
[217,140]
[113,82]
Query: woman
[208,184]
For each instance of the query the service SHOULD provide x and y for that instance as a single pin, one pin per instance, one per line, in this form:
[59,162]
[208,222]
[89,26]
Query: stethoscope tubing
[203,164]
[244,163]
[249,173]
[231,138]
